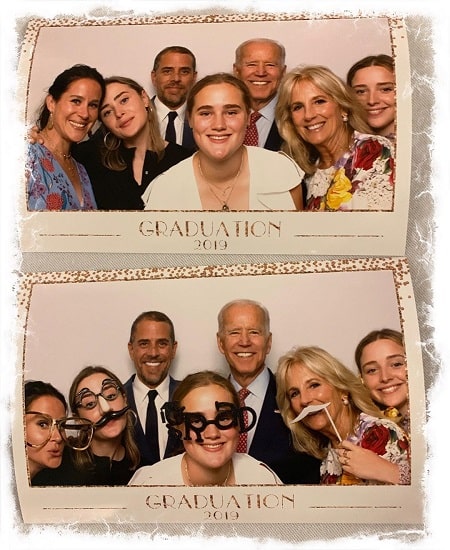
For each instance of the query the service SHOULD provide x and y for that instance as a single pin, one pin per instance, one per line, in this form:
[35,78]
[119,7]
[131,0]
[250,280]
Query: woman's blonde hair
[110,147]
[304,153]
[324,365]
[84,460]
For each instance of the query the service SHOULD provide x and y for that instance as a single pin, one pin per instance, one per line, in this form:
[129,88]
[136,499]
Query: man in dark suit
[152,347]
[260,64]
[245,340]
[173,75]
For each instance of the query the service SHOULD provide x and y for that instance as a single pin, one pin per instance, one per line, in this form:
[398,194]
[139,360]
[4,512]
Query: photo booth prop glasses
[228,416]
[87,399]
[75,432]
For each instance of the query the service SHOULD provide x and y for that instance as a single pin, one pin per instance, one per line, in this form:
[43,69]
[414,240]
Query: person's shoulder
[361,139]
[252,471]
[159,473]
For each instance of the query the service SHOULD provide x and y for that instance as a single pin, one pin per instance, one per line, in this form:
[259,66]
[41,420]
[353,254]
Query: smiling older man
[260,64]
[244,338]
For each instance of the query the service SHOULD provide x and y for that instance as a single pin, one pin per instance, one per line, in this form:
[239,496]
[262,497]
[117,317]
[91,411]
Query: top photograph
[245,133]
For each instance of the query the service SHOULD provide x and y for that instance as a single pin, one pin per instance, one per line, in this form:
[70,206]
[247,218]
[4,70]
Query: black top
[118,190]
[104,472]
[297,468]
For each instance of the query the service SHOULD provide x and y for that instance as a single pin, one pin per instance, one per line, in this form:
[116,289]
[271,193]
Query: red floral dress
[379,435]
[362,179]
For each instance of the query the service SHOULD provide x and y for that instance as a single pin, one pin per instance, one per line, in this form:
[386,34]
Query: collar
[162,110]
[268,111]
[259,385]
[141,390]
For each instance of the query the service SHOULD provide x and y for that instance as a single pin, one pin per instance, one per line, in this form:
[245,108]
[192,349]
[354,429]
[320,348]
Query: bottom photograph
[263,393]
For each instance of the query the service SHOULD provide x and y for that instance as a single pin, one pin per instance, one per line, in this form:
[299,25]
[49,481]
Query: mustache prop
[110,415]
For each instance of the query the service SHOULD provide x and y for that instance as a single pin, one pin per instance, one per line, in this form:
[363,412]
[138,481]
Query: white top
[272,175]
[247,471]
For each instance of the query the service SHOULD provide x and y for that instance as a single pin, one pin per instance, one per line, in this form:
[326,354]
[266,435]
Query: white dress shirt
[141,397]
[162,111]
[265,121]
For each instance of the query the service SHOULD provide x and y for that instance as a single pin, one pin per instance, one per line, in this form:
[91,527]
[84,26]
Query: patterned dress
[49,188]
[379,435]
[362,179]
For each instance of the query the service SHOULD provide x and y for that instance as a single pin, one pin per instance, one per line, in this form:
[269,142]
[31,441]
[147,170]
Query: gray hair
[243,302]
[240,48]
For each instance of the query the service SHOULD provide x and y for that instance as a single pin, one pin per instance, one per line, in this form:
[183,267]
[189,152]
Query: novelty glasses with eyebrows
[228,416]
[87,399]
[75,432]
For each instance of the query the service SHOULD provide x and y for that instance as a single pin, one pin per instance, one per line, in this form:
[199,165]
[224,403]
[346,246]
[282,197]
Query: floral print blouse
[362,179]
[379,435]
[49,188]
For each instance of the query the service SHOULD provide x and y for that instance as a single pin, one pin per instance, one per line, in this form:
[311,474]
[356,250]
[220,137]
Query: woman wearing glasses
[48,430]
[96,394]
[206,416]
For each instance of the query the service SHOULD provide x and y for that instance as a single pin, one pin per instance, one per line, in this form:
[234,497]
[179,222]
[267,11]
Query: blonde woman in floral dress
[331,416]
[325,130]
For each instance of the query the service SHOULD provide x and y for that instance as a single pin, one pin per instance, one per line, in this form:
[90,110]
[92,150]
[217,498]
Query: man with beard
[173,75]
[152,348]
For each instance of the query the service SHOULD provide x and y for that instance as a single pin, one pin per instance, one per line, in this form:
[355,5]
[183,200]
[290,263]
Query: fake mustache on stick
[110,415]
[310,409]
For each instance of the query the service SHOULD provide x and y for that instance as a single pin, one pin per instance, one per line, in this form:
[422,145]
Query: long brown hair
[373,336]
[110,146]
[85,459]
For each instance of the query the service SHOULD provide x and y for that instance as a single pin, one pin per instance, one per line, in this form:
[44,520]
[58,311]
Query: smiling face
[173,78]
[76,110]
[245,341]
[111,399]
[152,351]
[38,428]
[218,446]
[219,120]
[317,118]
[375,90]
[383,370]
[304,388]
[123,111]
[261,69]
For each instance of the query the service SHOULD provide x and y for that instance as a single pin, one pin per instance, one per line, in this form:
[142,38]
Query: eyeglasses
[87,399]
[75,432]
[228,416]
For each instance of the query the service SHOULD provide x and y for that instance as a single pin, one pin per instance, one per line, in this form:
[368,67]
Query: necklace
[224,199]
[66,156]
[215,484]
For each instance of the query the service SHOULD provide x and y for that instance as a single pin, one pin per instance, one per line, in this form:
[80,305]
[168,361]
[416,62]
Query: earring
[344,117]
[50,121]
[115,143]
[345,400]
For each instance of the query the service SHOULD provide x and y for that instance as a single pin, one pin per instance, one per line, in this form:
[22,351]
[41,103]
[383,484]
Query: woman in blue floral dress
[325,130]
[332,417]
[56,181]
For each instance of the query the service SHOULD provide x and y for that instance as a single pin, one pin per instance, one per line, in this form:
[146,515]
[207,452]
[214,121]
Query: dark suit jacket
[141,440]
[273,141]
[272,444]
